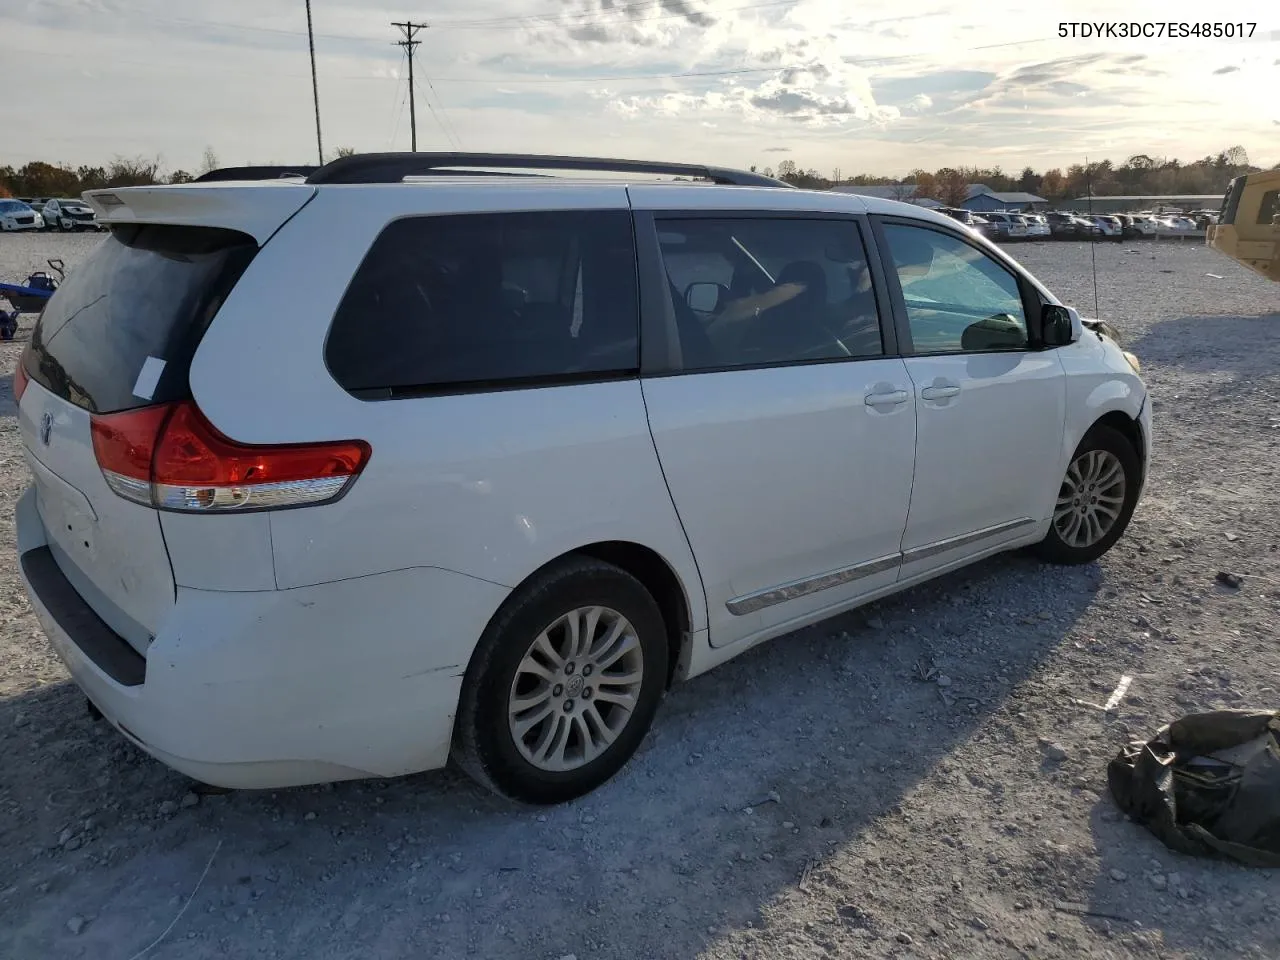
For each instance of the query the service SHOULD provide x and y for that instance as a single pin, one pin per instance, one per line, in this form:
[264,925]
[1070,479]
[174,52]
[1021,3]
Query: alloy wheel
[1091,498]
[575,689]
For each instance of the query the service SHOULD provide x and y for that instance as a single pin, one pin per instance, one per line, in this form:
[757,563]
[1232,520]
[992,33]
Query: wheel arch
[662,582]
[1128,427]
[658,576]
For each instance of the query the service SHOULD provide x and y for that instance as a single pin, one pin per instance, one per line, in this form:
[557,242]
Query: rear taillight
[169,456]
[20,380]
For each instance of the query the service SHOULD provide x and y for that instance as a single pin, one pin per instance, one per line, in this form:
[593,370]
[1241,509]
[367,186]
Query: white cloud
[918,84]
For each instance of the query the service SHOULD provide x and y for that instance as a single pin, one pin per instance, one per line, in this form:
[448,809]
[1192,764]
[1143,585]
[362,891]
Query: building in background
[1157,204]
[905,192]
[983,198]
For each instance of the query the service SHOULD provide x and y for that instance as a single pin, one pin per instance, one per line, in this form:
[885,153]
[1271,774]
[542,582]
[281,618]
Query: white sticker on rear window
[145,386]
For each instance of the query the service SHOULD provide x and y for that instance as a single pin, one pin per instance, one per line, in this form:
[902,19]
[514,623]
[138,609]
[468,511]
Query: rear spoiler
[258,209]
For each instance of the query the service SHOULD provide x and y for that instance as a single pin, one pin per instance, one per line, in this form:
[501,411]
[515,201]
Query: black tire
[1053,548]
[483,745]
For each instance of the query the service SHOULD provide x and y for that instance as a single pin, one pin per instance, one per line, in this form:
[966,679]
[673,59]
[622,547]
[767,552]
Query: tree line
[42,179]
[1141,174]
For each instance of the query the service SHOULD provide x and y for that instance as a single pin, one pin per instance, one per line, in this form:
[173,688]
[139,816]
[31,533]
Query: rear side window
[755,292]
[121,329]
[473,300]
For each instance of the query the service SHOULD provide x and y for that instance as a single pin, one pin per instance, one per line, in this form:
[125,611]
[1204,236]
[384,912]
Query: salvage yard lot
[817,797]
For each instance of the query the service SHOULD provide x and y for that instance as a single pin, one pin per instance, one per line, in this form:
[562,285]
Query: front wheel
[563,685]
[1096,499]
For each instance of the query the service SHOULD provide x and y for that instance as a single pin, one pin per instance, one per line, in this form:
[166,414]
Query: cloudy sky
[877,86]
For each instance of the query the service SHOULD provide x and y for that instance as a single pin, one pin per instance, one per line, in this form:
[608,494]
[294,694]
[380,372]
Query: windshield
[13,206]
[72,203]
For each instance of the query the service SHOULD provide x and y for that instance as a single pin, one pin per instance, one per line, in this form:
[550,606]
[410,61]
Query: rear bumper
[269,689]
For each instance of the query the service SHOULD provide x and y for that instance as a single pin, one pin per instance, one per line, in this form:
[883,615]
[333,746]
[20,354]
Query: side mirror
[1001,332]
[704,297]
[1057,325]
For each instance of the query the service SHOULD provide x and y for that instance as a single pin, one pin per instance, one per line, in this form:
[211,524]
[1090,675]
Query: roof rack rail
[255,173]
[394,167]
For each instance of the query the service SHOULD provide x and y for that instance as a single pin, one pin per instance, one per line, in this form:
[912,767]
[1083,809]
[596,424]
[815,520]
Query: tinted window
[1269,208]
[145,292]
[484,298]
[957,297]
[748,292]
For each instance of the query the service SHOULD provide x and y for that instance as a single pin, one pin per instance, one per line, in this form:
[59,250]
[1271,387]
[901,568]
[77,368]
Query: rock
[1045,615]
[1232,535]
[1053,750]
[189,800]
[787,824]
[568,956]
[904,938]
[75,925]
[979,924]
[943,680]
[1229,579]
[21,720]
[72,844]
[773,795]
[875,623]
[168,808]
[766,857]
[310,815]
[1159,881]
[64,836]
[1119,876]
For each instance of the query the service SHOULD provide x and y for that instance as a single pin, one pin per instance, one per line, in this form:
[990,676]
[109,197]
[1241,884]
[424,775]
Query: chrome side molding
[942,546]
[751,602]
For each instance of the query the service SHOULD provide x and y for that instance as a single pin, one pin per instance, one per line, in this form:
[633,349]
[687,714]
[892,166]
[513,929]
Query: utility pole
[410,31]
[315,87]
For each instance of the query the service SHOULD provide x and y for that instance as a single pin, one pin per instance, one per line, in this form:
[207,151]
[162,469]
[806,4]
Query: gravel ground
[813,798]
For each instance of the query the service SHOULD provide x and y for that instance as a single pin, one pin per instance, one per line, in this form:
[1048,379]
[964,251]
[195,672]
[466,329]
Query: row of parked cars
[47,213]
[1068,225]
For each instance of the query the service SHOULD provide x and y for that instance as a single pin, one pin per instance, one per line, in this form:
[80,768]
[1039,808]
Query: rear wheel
[1095,500]
[563,685]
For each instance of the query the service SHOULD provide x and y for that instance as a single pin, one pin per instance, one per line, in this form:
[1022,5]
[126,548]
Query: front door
[785,429]
[990,407]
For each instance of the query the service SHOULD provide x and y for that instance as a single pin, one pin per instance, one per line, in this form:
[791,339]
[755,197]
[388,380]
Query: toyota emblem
[46,427]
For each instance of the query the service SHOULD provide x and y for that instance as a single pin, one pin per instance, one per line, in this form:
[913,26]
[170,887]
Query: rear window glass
[147,291]
[469,300]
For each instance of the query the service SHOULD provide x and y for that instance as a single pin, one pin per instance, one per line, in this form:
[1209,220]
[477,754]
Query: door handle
[939,393]
[892,396]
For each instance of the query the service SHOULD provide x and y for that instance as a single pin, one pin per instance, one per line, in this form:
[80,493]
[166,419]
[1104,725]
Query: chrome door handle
[893,396]
[939,393]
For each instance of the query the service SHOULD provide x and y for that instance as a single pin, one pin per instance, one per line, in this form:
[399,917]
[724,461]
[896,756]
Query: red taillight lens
[170,456]
[20,379]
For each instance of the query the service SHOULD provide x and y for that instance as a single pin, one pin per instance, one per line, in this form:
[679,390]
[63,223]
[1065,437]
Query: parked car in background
[639,428]
[1037,226]
[1108,226]
[1177,228]
[16,215]
[1144,224]
[971,220]
[1064,226]
[68,215]
[1007,226]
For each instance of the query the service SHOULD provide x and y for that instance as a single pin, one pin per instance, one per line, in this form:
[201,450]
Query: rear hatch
[118,335]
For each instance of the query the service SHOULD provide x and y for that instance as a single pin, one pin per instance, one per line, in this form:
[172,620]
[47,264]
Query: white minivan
[415,457]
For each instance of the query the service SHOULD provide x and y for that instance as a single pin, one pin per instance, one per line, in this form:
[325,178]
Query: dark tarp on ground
[1207,785]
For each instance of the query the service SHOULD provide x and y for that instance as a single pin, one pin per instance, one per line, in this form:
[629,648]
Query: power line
[450,129]
[410,30]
